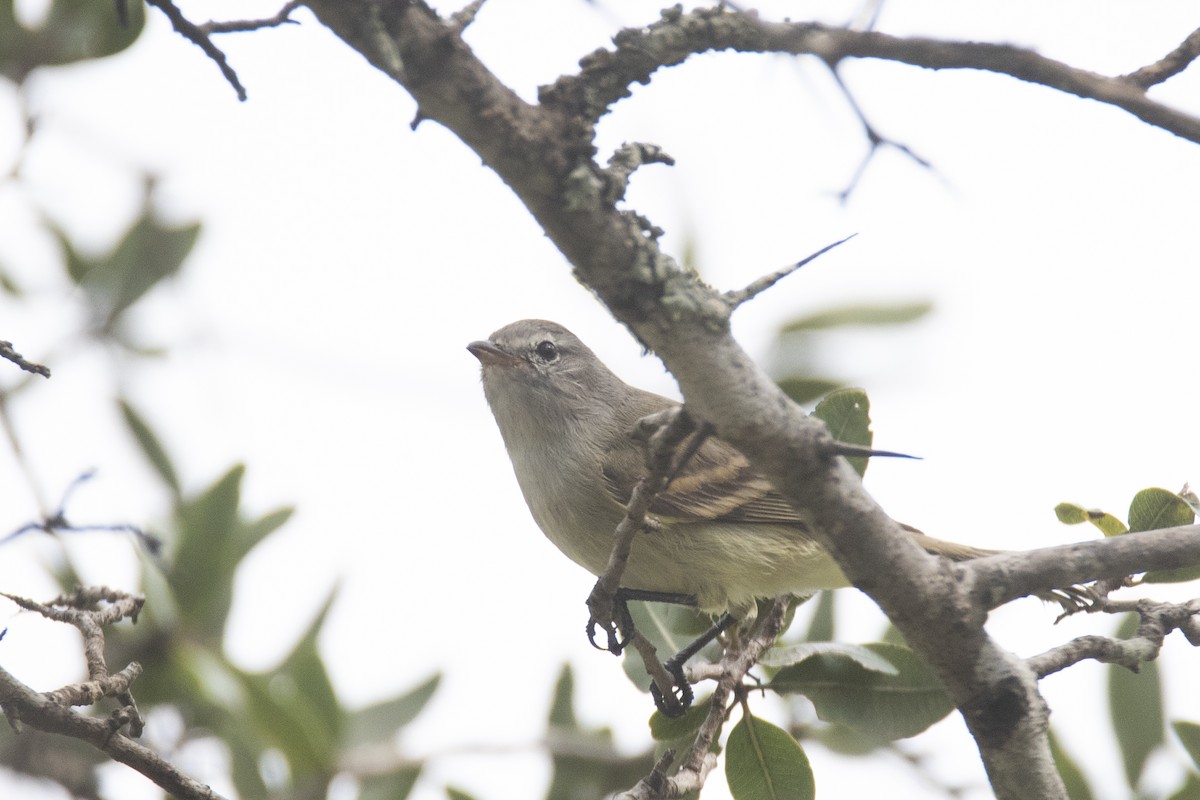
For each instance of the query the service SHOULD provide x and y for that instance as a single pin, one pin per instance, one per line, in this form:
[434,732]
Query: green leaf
[1189,737]
[879,706]
[1136,703]
[151,447]
[864,314]
[149,252]
[1072,776]
[1152,509]
[458,794]
[562,706]
[205,560]
[847,414]
[763,762]
[804,389]
[392,786]
[798,653]
[668,729]
[1071,514]
[294,706]
[73,30]
[379,722]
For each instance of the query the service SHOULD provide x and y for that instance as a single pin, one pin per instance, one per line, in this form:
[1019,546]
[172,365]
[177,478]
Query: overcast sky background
[318,333]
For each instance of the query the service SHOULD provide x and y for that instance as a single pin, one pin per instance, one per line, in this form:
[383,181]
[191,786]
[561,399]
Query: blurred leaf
[380,721]
[205,558]
[1189,737]
[1190,790]
[7,283]
[798,653]
[1136,704]
[249,534]
[1152,509]
[865,314]
[73,30]
[562,706]
[666,729]
[149,252]
[843,739]
[847,414]
[1071,514]
[589,765]
[294,706]
[763,762]
[805,389]
[821,628]
[458,794]
[392,786]
[880,707]
[1072,776]
[151,447]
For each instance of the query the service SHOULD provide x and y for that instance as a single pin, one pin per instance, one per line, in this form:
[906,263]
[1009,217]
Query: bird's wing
[716,484]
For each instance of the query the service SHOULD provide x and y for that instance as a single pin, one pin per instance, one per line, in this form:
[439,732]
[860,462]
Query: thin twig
[194,34]
[7,351]
[1169,65]
[282,17]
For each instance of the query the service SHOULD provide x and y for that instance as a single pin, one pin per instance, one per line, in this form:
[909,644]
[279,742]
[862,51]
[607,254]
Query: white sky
[318,333]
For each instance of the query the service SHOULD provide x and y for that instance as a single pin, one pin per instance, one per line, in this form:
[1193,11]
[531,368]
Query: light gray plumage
[723,533]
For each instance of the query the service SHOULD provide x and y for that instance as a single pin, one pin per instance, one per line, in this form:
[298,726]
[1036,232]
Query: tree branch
[7,352]
[606,75]
[545,154]
[1001,578]
[89,610]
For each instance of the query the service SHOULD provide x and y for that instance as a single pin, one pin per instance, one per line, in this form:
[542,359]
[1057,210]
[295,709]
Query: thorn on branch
[737,298]
[1169,65]
[7,352]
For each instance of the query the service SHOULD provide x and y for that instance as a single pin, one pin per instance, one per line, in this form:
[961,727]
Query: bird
[719,533]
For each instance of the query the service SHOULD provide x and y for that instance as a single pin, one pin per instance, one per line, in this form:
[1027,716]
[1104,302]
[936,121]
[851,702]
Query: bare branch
[1005,577]
[606,75]
[283,17]
[7,351]
[1157,620]
[1169,65]
[699,760]
[197,36]
[90,609]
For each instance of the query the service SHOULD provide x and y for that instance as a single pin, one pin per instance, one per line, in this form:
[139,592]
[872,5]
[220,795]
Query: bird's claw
[679,703]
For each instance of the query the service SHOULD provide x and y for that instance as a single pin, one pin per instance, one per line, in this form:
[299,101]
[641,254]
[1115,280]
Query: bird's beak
[489,354]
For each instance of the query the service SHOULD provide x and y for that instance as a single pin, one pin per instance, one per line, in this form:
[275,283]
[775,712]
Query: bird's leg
[621,622]
[674,667]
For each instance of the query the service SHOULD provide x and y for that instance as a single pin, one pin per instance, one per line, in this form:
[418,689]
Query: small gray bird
[722,533]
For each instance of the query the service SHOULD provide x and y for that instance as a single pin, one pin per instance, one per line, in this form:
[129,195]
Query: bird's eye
[546,350]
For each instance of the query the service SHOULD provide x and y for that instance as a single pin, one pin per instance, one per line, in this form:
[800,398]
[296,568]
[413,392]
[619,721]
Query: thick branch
[1005,577]
[24,705]
[607,75]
